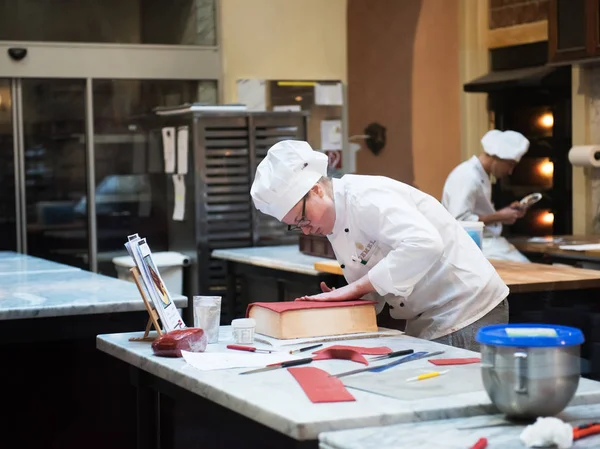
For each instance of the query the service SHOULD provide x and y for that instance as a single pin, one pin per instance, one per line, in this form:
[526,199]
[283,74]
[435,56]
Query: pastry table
[547,249]
[53,376]
[12,263]
[538,292]
[269,410]
[453,433]
[542,293]
[50,302]
[520,277]
[276,261]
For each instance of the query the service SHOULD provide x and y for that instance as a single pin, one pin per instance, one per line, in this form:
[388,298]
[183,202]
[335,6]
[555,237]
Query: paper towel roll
[585,156]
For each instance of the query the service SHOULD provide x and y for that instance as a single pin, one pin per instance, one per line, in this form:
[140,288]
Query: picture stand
[153,320]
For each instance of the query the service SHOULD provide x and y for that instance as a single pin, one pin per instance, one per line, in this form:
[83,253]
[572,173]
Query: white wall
[282,39]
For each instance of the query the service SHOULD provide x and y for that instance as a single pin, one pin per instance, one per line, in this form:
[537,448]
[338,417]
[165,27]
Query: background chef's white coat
[423,263]
[467,196]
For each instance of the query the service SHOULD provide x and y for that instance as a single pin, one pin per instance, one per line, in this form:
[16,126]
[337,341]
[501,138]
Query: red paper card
[319,387]
[286,306]
[463,361]
[379,350]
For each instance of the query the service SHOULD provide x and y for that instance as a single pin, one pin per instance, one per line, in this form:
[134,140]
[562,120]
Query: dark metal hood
[541,76]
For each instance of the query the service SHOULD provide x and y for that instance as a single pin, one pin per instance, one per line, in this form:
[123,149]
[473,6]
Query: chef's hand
[354,290]
[508,215]
[325,288]
[320,297]
[518,207]
[331,294]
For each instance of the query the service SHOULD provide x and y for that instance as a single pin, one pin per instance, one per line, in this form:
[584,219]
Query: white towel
[546,432]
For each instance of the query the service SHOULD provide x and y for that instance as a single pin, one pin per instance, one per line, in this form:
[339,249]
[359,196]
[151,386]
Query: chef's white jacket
[418,257]
[467,196]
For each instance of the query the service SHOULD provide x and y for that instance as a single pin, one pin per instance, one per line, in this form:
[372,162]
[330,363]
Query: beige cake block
[305,319]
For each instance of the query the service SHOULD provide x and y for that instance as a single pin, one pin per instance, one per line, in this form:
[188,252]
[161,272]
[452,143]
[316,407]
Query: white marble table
[31,287]
[453,433]
[11,263]
[274,399]
[35,294]
[284,257]
[50,315]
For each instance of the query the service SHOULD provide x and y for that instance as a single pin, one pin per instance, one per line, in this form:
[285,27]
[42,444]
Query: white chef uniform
[418,258]
[467,192]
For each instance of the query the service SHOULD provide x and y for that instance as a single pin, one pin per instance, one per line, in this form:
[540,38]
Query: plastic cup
[475,230]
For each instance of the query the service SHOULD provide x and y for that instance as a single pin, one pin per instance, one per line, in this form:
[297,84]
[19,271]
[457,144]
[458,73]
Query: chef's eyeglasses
[303,222]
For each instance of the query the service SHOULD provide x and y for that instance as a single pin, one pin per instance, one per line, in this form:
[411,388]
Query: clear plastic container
[207,315]
[243,330]
[475,230]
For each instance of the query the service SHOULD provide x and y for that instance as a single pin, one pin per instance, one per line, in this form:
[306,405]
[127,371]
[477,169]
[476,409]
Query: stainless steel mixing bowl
[530,382]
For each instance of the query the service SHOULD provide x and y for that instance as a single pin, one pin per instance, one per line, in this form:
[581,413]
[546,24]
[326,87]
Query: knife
[280,365]
[379,368]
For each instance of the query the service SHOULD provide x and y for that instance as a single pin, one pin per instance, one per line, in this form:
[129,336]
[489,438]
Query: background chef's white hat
[505,145]
[285,175]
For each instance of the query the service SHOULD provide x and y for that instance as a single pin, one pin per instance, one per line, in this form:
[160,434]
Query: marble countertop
[452,433]
[45,290]
[11,263]
[284,257]
[275,400]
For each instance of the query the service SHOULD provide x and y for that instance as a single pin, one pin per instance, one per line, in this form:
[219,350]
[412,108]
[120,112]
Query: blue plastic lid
[529,335]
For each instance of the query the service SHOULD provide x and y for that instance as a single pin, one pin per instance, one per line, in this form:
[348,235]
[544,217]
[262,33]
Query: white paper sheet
[182,150]
[329,94]
[331,135]
[354,148]
[586,247]
[168,140]
[179,192]
[252,93]
[208,361]
[276,343]
[545,239]
[286,108]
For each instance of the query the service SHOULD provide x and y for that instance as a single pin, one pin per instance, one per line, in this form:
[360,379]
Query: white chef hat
[289,170]
[505,145]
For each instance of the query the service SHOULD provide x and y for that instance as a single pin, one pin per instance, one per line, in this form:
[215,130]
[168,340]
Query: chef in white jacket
[395,245]
[468,192]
